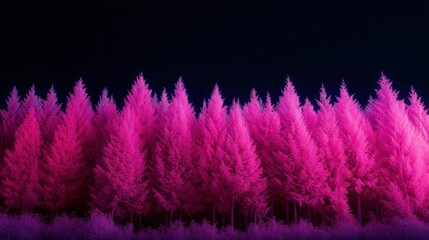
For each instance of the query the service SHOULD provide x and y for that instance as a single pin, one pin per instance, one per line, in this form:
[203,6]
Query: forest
[158,163]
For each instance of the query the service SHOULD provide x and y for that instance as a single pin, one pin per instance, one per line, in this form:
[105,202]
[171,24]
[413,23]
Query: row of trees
[155,161]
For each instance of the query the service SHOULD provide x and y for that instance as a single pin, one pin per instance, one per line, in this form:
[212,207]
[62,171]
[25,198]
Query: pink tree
[303,179]
[121,172]
[399,154]
[20,165]
[69,158]
[50,118]
[420,119]
[210,130]
[10,119]
[354,129]
[331,153]
[106,114]
[139,101]
[173,156]
[239,175]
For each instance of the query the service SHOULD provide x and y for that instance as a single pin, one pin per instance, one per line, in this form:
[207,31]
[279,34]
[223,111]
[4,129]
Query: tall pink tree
[69,158]
[209,132]
[173,158]
[399,154]
[264,127]
[105,117]
[139,101]
[331,153]
[121,171]
[239,175]
[19,170]
[418,115]
[304,176]
[354,129]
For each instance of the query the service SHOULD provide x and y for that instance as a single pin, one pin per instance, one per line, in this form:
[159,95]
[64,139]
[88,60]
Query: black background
[237,44]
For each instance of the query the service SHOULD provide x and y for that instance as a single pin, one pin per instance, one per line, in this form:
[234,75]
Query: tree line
[155,161]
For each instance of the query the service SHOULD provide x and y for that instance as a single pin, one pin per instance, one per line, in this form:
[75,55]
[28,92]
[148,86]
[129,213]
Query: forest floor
[100,227]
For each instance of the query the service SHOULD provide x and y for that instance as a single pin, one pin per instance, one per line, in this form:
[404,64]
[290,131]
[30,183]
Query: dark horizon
[238,45]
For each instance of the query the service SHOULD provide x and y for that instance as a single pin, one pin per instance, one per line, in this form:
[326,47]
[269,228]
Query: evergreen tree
[69,158]
[20,165]
[331,153]
[354,128]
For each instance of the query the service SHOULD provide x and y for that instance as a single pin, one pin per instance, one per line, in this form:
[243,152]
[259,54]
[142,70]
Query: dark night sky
[237,44]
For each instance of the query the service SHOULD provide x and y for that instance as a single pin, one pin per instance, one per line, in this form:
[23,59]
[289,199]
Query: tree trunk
[287,212]
[295,213]
[359,209]
[232,213]
[213,214]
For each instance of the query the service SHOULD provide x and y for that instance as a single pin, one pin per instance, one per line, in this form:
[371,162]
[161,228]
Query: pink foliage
[20,166]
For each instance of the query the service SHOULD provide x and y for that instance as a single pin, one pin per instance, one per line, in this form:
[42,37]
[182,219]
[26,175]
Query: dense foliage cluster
[155,161]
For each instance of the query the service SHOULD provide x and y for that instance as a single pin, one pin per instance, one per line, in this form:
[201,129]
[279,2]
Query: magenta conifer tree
[239,175]
[304,177]
[354,129]
[173,156]
[120,173]
[399,154]
[10,119]
[20,166]
[210,131]
[418,114]
[69,158]
[331,153]
[106,114]
[139,101]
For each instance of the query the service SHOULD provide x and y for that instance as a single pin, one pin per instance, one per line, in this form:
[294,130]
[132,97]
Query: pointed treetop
[51,97]
[384,82]
[105,100]
[179,84]
[268,103]
[289,86]
[164,97]
[414,98]
[253,95]
[216,92]
[12,101]
[343,90]
[324,98]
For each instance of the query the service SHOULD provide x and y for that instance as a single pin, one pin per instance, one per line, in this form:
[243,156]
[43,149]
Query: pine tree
[106,115]
[139,101]
[354,129]
[173,156]
[20,165]
[399,154]
[210,131]
[10,119]
[120,174]
[69,157]
[239,175]
[331,153]
[304,177]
